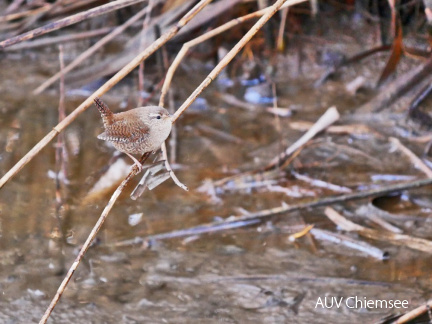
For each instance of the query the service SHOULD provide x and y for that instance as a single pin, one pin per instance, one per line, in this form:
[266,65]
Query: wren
[136,131]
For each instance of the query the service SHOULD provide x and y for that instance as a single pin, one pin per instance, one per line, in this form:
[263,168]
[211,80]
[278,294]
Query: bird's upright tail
[105,112]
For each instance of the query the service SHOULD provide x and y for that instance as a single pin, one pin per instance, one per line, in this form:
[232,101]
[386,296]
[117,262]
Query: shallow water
[246,275]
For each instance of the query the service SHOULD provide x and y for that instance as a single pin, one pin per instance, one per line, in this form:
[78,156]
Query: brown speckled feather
[122,131]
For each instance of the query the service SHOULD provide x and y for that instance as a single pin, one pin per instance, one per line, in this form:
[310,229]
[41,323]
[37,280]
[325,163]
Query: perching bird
[136,131]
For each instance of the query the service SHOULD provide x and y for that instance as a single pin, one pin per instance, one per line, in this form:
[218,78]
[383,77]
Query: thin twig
[173,135]
[115,5]
[13,6]
[350,243]
[416,161]
[328,281]
[413,314]
[27,13]
[31,20]
[328,118]
[57,235]
[141,66]
[71,5]
[280,44]
[61,149]
[104,88]
[170,170]
[58,39]
[171,108]
[399,239]
[283,159]
[89,240]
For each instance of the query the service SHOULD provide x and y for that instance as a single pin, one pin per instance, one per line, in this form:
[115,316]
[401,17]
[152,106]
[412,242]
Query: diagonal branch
[115,5]
[186,46]
[270,11]
[77,61]
[187,17]
[103,89]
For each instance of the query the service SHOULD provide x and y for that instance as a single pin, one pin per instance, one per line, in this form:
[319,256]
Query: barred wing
[122,131]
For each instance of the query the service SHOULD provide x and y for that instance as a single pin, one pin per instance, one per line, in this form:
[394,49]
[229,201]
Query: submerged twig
[349,242]
[398,88]
[329,117]
[328,281]
[57,235]
[399,239]
[416,161]
[320,183]
[61,153]
[383,223]
[216,133]
[192,231]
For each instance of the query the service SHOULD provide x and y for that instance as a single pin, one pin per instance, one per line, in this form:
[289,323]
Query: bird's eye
[157,116]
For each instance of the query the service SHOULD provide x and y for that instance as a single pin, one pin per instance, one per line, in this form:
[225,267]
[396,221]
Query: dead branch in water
[394,238]
[328,118]
[259,216]
[416,161]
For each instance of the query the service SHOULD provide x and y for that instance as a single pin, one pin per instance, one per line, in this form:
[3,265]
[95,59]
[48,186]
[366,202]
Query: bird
[136,131]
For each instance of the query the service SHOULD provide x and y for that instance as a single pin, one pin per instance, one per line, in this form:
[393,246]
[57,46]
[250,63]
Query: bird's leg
[138,164]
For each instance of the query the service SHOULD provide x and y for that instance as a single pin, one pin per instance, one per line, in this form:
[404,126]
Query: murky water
[247,275]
